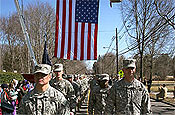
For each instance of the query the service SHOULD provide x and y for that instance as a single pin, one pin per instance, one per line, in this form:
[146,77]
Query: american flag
[76,29]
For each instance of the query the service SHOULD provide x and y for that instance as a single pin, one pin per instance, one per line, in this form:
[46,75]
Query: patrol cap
[69,76]
[104,77]
[42,68]
[129,63]
[97,75]
[58,67]
[64,76]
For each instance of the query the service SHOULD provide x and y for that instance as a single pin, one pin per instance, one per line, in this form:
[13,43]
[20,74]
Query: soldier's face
[42,79]
[104,84]
[70,79]
[59,74]
[129,72]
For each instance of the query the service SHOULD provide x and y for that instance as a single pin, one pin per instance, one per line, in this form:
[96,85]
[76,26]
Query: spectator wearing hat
[43,99]
[98,95]
[63,85]
[128,96]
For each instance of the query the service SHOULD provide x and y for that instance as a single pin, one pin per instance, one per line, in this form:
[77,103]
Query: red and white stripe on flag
[76,30]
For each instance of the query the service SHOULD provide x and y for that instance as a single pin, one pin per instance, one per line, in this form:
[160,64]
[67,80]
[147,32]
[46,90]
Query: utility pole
[116,1]
[116,51]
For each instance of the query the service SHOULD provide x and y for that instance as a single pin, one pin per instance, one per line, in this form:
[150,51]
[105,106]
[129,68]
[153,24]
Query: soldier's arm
[146,105]
[22,108]
[71,92]
[65,108]
[71,96]
[110,102]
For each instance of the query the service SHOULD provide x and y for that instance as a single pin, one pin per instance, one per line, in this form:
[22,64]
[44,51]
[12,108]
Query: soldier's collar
[128,83]
[39,93]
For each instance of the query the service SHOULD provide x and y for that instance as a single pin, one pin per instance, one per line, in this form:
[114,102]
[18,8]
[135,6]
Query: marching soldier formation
[63,85]
[56,93]
[43,99]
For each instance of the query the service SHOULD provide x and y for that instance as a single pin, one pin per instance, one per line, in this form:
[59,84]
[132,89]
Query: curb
[164,102]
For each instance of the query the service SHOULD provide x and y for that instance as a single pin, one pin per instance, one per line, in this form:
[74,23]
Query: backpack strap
[7,95]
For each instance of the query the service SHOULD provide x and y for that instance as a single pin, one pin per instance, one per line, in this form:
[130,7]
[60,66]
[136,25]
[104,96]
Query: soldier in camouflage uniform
[75,85]
[128,96]
[43,99]
[94,81]
[78,81]
[63,85]
[77,89]
[84,87]
[98,95]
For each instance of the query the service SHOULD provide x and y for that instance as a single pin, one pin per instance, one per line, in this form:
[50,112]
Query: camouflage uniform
[128,98]
[66,88]
[97,101]
[84,85]
[78,81]
[93,83]
[76,87]
[50,102]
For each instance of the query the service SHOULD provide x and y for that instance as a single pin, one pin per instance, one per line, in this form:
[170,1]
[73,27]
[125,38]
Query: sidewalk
[160,108]
[170,95]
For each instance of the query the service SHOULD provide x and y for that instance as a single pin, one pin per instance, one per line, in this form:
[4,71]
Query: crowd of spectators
[12,93]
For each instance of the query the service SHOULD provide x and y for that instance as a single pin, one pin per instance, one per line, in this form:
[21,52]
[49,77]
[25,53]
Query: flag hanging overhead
[76,29]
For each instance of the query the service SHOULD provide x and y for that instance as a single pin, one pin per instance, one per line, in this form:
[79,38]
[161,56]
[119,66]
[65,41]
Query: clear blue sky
[109,19]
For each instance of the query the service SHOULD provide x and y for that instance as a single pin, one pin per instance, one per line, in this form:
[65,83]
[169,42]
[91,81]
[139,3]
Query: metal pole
[116,51]
[24,29]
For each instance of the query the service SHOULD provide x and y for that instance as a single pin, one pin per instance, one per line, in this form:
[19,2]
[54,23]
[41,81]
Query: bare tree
[40,21]
[71,66]
[163,65]
[166,9]
[10,41]
[141,22]
[106,64]
[0,52]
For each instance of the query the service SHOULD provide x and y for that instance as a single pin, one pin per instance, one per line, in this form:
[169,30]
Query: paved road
[169,94]
[84,108]
[160,108]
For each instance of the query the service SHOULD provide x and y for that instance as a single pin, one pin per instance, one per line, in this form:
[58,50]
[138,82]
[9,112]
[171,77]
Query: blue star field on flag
[86,11]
